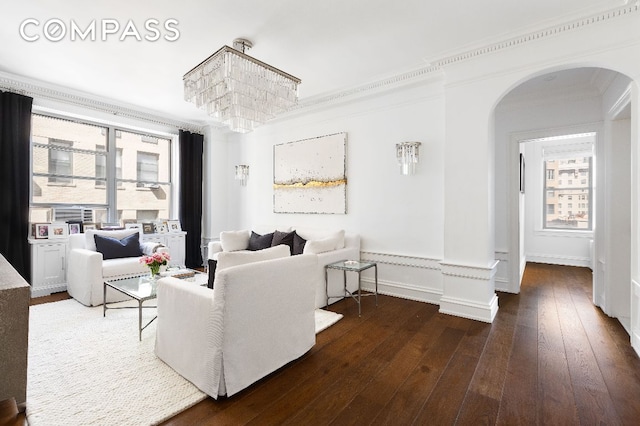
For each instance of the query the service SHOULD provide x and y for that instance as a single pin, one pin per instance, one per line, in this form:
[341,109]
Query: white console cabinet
[48,266]
[174,241]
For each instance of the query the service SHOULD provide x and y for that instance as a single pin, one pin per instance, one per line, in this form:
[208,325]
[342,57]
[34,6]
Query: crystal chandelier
[238,90]
[408,154]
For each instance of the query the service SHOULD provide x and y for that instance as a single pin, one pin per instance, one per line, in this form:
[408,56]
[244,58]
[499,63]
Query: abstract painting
[310,176]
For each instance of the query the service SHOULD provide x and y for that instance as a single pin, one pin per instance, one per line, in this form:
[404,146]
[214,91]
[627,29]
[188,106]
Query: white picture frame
[58,230]
[133,226]
[174,226]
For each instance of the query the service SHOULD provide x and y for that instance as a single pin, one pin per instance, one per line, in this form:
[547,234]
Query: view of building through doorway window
[76,165]
[568,187]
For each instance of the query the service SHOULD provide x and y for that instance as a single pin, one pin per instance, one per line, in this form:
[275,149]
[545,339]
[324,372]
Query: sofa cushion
[122,267]
[283,238]
[313,234]
[228,259]
[234,240]
[113,248]
[90,242]
[260,242]
[298,244]
[319,246]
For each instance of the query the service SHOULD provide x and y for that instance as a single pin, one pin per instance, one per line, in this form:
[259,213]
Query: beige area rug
[88,370]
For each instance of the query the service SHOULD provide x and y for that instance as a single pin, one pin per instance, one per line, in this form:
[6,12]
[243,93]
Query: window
[101,166]
[550,173]
[97,168]
[555,217]
[147,168]
[60,161]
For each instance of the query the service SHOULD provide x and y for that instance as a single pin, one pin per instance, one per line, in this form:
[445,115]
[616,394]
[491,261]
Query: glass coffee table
[142,288]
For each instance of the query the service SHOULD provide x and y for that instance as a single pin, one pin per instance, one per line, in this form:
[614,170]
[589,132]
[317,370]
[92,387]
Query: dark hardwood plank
[409,399]
[443,405]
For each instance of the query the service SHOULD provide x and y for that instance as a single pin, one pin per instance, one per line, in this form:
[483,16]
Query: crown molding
[551,31]
[47,91]
[437,66]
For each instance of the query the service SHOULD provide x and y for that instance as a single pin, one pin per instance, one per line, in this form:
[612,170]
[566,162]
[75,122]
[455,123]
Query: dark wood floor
[550,357]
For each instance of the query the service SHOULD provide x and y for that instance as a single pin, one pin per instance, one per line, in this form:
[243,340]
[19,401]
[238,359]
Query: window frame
[559,193]
[113,132]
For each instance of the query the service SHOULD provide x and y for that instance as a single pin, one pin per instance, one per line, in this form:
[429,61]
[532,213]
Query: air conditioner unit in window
[152,185]
[66,214]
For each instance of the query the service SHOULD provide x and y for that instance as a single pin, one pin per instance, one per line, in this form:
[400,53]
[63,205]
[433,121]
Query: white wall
[400,218]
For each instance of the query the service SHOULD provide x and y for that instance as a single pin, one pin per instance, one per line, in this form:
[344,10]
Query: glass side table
[351,266]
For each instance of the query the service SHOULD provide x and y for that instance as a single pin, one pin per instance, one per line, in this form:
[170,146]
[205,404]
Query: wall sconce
[242,173]
[408,154]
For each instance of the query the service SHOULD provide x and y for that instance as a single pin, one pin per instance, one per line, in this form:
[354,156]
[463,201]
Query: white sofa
[345,247]
[258,317]
[87,271]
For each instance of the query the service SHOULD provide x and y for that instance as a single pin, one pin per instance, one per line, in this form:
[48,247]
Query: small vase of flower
[154,262]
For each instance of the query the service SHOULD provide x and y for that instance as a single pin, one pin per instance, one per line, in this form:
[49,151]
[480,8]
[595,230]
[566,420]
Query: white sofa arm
[185,333]
[84,272]
[150,247]
[212,248]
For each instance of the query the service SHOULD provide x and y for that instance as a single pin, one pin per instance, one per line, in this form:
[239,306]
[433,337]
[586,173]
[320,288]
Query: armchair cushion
[113,248]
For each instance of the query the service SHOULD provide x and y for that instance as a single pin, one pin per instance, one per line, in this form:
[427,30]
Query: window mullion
[112,212]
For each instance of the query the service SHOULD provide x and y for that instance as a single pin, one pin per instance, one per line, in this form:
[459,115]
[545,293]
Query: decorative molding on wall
[406,78]
[400,260]
[560,260]
[501,279]
[403,290]
[395,265]
[541,34]
[39,92]
[470,271]
[464,308]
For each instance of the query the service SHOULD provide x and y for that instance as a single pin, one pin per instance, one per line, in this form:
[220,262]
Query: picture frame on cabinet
[75,228]
[41,231]
[58,230]
[88,225]
[174,226]
[132,225]
[148,228]
[161,228]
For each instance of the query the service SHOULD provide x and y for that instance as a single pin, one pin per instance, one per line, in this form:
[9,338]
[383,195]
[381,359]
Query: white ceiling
[330,45]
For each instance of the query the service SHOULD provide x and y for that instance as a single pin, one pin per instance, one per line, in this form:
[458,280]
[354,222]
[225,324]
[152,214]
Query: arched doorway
[560,103]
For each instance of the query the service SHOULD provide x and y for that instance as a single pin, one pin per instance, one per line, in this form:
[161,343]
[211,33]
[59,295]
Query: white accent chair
[87,271]
[258,317]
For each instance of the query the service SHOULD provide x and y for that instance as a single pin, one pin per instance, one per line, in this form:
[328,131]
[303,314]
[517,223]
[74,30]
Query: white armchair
[87,270]
[258,317]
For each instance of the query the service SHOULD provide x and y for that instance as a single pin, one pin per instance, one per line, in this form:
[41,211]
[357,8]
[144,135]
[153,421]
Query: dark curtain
[15,134]
[191,145]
